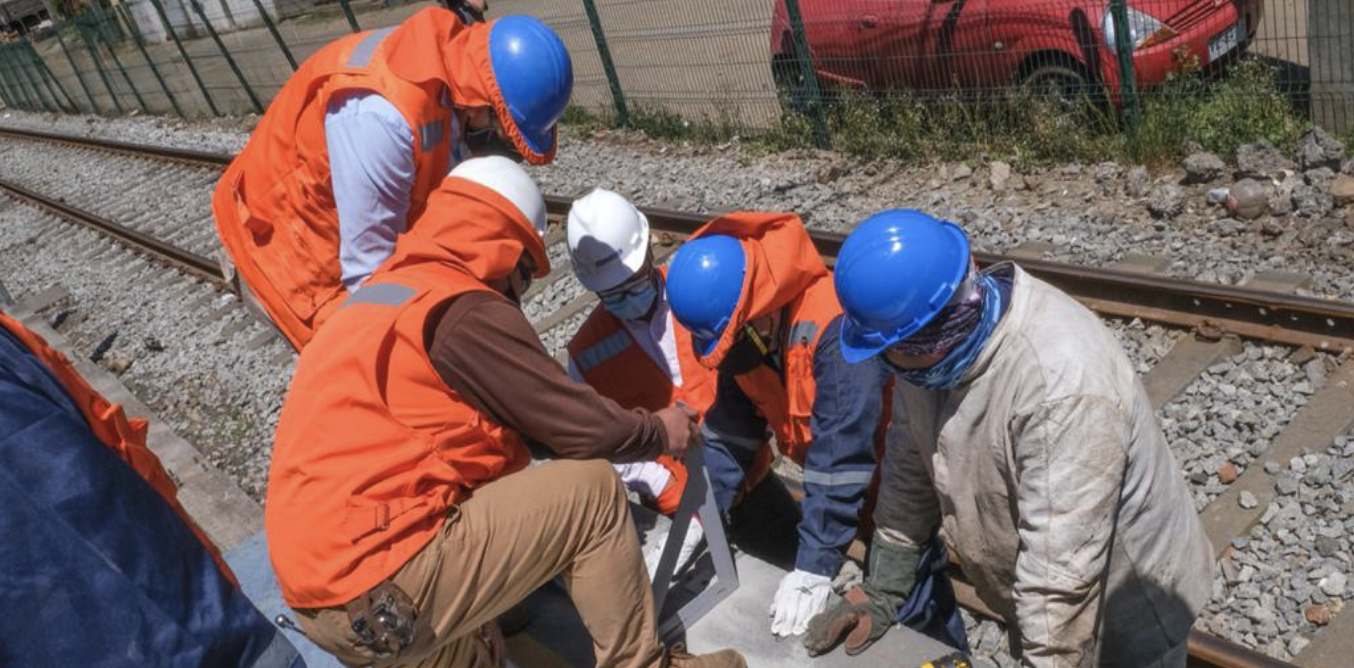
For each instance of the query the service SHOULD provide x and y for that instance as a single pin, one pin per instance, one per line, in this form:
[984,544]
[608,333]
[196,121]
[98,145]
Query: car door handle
[869,21]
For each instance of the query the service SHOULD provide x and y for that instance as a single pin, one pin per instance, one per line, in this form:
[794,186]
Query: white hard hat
[508,179]
[608,239]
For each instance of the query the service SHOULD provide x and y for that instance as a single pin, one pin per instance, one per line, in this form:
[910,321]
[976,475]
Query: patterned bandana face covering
[952,324]
[946,373]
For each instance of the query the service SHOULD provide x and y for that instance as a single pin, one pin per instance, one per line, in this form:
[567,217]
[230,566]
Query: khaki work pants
[511,537]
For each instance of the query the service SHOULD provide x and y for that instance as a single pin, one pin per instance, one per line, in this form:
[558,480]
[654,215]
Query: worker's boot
[676,657]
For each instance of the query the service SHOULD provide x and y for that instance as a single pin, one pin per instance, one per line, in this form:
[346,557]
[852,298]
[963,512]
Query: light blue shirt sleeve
[371,161]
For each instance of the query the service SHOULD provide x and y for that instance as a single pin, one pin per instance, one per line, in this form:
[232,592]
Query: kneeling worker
[1024,434]
[401,517]
[630,348]
[758,301]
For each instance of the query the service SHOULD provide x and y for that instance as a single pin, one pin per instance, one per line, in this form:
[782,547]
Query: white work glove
[801,595]
[695,533]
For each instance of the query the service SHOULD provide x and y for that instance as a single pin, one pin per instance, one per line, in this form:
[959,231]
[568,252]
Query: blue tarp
[96,569]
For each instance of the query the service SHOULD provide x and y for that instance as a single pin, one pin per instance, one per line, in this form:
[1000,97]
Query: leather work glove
[867,611]
[801,595]
[695,533]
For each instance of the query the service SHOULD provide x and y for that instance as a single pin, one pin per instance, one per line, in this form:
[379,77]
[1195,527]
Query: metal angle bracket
[696,498]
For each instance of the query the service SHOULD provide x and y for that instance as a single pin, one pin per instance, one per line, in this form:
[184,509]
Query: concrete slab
[252,568]
[762,530]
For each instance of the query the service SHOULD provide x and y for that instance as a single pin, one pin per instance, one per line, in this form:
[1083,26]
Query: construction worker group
[938,411]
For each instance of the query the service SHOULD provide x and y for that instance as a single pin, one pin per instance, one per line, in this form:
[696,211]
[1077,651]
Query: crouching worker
[103,563]
[1024,434]
[402,518]
[758,301]
[630,348]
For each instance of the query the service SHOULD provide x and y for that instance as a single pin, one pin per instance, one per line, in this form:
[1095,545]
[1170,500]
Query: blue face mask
[632,304]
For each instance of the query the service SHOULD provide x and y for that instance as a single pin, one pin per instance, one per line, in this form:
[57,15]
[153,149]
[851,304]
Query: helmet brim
[859,345]
[541,143]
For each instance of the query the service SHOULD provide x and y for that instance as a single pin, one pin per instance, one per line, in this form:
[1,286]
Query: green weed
[1188,110]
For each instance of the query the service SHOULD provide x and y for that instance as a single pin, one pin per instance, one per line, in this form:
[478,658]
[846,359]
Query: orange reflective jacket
[372,447]
[124,436]
[274,206]
[612,362]
[784,273]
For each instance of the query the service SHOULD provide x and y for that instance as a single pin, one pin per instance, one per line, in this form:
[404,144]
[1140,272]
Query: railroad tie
[1192,355]
[1326,416]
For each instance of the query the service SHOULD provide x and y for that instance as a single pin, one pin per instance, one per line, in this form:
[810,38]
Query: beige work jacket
[1055,488]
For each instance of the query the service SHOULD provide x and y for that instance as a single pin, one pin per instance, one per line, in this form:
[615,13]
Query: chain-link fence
[820,65]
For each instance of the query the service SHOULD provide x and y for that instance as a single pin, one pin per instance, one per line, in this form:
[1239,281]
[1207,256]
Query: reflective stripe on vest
[367,47]
[602,351]
[803,332]
[837,478]
[384,294]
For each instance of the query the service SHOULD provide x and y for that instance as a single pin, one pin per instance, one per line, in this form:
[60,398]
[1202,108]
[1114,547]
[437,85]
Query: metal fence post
[197,8]
[108,44]
[141,46]
[34,82]
[1123,45]
[98,66]
[277,37]
[352,18]
[17,81]
[612,80]
[80,76]
[40,81]
[5,94]
[817,113]
[12,82]
[192,69]
[47,74]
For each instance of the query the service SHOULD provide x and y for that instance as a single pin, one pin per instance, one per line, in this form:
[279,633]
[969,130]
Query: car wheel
[1066,86]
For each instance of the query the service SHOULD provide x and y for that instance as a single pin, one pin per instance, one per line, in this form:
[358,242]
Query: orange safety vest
[610,360]
[110,424]
[784,273]
[613,363]
[274,206]
[373,448]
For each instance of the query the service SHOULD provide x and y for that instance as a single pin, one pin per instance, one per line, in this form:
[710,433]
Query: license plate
[1225,41]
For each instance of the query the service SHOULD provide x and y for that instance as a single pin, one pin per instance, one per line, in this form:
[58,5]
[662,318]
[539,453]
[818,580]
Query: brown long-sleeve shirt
[484,348]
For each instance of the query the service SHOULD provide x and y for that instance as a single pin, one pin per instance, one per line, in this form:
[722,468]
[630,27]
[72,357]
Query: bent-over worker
[1023,432]
[758,301]
[350,149]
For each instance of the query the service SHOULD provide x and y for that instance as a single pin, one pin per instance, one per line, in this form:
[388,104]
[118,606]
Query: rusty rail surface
[1211,309]
[204,267]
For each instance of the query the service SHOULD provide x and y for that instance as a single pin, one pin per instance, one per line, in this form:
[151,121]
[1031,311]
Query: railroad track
[1219,319]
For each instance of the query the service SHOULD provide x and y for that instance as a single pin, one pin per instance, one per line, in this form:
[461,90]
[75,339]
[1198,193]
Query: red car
[1062,46]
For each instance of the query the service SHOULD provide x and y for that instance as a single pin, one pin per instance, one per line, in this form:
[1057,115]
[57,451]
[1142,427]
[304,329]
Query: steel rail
[1210,309]
[203,267]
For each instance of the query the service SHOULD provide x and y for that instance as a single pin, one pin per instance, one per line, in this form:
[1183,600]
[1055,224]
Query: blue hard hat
[535,75]
[705,281]
[893,274]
